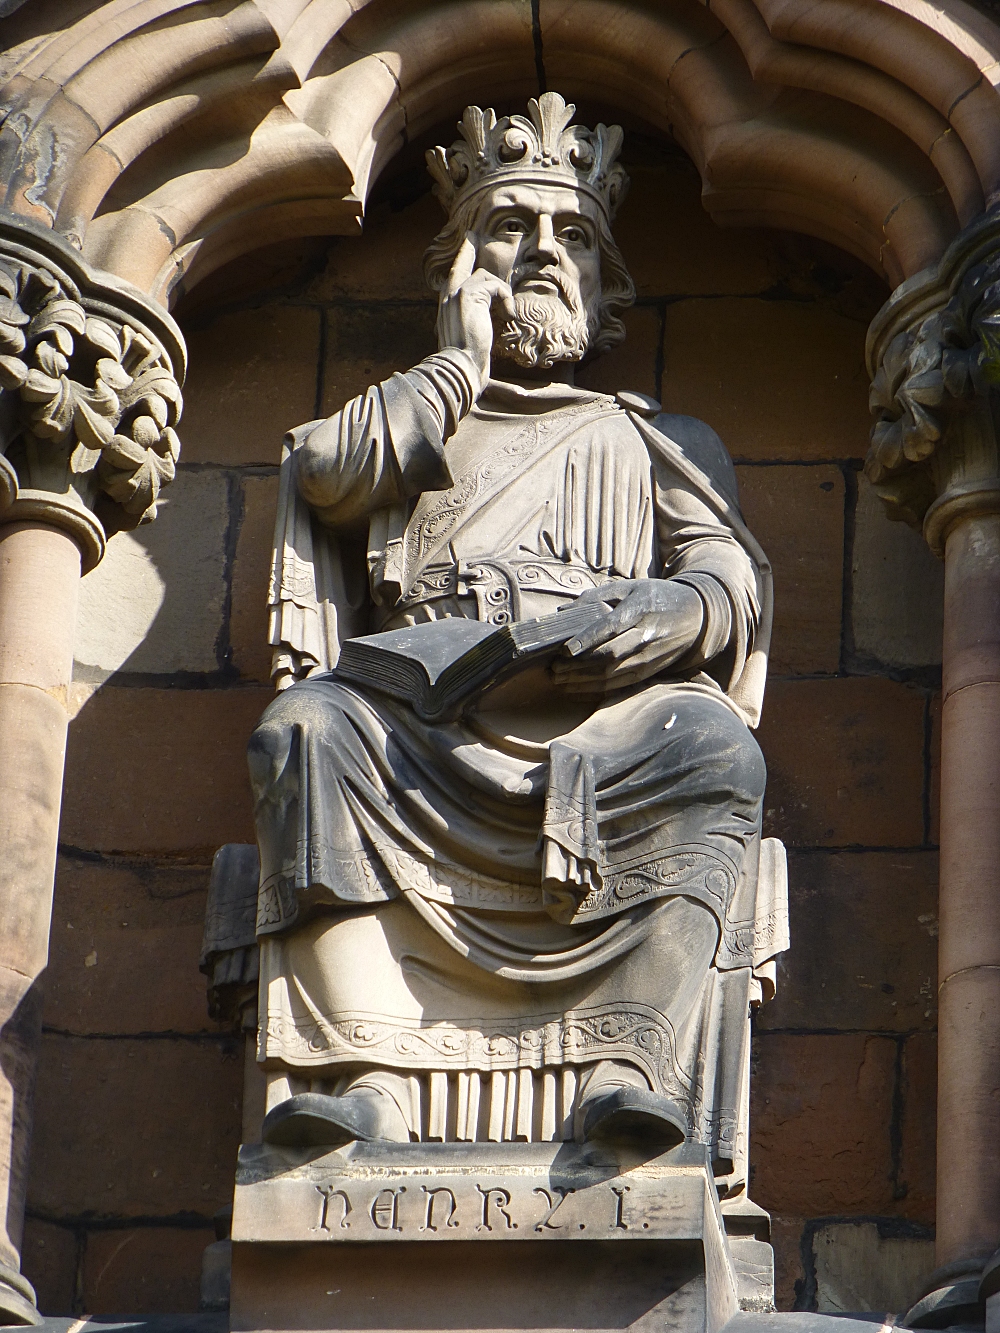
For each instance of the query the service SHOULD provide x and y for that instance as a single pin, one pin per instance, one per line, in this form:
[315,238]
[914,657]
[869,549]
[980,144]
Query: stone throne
[490,1153]
[507,947]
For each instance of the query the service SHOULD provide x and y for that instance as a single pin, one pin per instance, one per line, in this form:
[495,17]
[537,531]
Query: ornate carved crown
[545,149]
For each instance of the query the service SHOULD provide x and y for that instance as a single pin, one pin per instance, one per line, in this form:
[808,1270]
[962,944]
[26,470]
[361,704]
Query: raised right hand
[465,318]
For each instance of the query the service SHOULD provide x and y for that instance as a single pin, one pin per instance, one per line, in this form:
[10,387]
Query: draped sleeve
[339,475]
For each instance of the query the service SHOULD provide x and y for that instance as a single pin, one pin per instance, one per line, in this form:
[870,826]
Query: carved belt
[497,586]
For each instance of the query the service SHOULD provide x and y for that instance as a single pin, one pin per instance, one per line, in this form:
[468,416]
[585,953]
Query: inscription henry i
[477,1208]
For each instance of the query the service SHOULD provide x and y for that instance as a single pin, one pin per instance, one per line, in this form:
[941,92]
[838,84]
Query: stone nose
[542,242]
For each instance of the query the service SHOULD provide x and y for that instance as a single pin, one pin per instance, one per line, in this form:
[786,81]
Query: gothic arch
[874,124]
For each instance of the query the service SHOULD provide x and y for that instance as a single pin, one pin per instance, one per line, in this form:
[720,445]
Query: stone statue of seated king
[546,915]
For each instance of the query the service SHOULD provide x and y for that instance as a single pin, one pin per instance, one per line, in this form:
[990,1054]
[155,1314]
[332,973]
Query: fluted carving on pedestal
[90,393]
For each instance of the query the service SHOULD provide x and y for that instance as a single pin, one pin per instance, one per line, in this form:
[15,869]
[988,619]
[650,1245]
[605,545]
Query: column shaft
[968,1163]
[39,581]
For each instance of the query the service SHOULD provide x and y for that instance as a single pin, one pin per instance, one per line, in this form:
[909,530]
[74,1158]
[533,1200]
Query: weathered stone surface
[49,1257]
[918,1145]
[483,1192]
[154,603]
[160,770]
[862,1266]
[251,567]
[252,375]
[897,587]
[633,364]
[144,1270]
[112,1114]
[820,1113]
[387,261]
[864,943]
[115,925]
[458,1215]
[368,343]
[671,246]
[934,776]
[777,380]
[797,515]
[844,762]
[786,1241]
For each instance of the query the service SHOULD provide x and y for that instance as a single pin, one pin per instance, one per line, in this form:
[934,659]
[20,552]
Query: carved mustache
[568,291]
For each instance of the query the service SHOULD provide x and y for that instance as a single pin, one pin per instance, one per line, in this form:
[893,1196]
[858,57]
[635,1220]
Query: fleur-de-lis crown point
[543,145]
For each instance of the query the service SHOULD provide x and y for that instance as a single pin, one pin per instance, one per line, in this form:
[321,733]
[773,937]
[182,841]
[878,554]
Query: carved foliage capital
[936,348]
[89,396]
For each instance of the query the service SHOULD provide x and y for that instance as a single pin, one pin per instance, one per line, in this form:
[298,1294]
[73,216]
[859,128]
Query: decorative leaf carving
[102,391]
[952,355]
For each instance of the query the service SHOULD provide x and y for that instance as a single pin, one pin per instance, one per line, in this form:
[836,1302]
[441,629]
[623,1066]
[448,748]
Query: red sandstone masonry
[819,1117]
[115,925]
[776,379]
[127,1128]
[252,376]
[864,944]
[797,515]
[161,770]
[145,1270]
[844,762]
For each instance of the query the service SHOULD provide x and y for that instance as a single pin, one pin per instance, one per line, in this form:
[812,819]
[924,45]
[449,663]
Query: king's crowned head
[536,195]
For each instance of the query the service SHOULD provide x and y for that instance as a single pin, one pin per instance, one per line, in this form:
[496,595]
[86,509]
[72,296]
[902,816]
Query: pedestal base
[478,1237]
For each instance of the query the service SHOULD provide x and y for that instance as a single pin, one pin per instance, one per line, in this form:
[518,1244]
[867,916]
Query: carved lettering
[546,1221]
[450,1204]
[619,1224]
[328,1192]
[500,1199]
[385,1209]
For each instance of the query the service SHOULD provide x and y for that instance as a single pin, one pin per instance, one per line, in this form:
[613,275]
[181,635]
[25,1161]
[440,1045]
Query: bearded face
[552,244]
[551,322]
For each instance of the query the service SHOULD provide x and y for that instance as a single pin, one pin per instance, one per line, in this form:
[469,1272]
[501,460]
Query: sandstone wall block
[797,515]
[115,925]
[897,587]
[132,1128]
[820,1114]
[864,943]
[144,1270]
[154,604]
[844,762]
[252,376]
[152,770]
[777,379]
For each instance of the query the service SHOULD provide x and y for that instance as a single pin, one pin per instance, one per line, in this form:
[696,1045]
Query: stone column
[89,395]
[935,353]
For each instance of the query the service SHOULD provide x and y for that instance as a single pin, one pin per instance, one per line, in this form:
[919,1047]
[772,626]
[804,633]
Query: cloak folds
[522,893]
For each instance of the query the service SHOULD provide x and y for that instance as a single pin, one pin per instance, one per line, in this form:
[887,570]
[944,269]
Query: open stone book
[437,665]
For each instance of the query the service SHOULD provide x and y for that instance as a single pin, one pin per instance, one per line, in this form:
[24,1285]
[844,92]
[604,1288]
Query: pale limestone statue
[546,918]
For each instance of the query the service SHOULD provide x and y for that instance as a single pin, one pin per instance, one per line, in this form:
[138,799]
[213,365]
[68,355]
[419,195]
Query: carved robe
[545,883]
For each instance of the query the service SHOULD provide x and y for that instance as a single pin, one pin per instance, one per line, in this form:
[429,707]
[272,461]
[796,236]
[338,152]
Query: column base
[478,1237]
[951,1296]
[17,1299]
